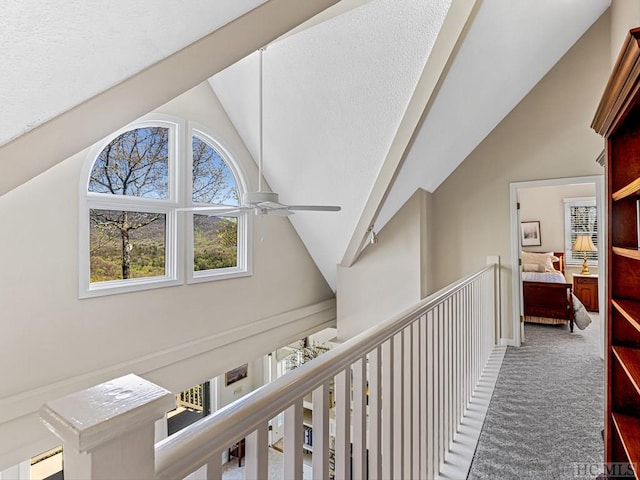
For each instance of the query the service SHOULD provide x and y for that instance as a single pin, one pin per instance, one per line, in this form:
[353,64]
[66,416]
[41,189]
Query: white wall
[52,343]
[546,136]
[388,276]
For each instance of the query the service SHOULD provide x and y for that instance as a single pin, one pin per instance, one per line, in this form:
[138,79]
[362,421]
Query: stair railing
[401,391]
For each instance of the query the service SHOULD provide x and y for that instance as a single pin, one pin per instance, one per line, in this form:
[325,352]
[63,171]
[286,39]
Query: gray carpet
[546,413]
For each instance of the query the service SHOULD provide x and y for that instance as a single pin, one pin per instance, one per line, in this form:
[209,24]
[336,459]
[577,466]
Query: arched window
[134,235]
[218,243]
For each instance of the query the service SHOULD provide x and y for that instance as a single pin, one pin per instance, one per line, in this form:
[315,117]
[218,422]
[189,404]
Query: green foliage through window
[215,242]
[126,245]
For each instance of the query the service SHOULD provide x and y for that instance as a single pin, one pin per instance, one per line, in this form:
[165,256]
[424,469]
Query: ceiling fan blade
[279,212]
[217,210]
[315,208]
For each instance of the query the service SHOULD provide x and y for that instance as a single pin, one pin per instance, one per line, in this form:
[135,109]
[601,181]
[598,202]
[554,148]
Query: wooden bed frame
[549,300]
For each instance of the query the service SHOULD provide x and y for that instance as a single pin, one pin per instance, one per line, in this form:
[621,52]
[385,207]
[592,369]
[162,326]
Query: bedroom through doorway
[556,229]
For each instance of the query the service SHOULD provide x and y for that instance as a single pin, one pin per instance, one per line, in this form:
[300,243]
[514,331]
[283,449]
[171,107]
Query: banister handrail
[176,455]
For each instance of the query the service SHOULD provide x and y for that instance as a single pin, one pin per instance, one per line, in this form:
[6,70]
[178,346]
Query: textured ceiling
[336,92]
[92,45]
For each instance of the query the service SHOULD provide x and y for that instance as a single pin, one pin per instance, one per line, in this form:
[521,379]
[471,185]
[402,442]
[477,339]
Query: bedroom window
[580,219]
[133,235]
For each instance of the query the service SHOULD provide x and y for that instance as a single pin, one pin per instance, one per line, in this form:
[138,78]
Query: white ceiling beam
[339,8]
[52,142]
[451,36]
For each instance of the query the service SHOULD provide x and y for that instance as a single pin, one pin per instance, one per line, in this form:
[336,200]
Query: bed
[548,297]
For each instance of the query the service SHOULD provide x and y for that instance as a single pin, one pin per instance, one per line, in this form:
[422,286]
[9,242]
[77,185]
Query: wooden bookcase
[618,120]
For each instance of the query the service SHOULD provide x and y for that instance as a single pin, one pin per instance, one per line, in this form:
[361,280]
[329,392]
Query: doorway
[555,239]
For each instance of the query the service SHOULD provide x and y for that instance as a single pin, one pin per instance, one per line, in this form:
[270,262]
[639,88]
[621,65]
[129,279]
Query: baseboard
[458,460]
[508,342]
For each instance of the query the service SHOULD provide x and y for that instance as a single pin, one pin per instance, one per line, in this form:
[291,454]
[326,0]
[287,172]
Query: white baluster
[108,430]
[375,420]
[320,422]
[257,453]
[407,395]
[293,437]
[398,400]
[415,400]
[214,466]
[439,412]
[446,411]
[451,383]
[469,345]
[343,422]
[428,421]
[21,471]
[456,361]
[359,454]
[388,368]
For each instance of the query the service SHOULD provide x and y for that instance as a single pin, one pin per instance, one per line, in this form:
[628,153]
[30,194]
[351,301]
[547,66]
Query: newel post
[108,430]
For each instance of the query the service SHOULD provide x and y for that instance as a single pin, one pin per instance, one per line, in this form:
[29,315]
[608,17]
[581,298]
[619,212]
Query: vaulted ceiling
[362,109]
[364,100]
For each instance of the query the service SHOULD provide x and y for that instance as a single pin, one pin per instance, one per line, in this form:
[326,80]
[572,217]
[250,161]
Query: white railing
[401,390]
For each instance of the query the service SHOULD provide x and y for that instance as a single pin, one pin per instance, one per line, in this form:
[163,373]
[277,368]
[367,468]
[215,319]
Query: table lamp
[584,244]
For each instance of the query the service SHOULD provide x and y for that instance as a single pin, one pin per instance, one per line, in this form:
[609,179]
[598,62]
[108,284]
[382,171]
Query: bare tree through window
[134,164]
[129,243]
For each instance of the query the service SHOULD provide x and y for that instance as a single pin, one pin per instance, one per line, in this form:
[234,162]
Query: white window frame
[243,267]
[568,203]
[178,226]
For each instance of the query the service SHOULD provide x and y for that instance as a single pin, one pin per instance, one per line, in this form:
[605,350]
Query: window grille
[581,218]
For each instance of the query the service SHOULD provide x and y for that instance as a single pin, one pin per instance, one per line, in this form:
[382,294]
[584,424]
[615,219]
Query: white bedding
[547,277]
[581,317]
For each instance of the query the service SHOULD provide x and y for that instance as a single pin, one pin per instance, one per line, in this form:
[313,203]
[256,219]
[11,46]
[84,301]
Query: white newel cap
[94,416]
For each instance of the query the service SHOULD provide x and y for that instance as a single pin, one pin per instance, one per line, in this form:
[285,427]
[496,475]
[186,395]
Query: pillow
[533,267]
[545,259]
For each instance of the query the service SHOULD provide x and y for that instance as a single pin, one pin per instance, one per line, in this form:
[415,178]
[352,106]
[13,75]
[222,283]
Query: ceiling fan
[260,202]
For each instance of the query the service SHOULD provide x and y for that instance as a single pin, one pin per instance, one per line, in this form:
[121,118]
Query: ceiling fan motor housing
[262,199]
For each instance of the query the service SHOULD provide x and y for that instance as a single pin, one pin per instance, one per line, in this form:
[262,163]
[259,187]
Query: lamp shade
[584,243]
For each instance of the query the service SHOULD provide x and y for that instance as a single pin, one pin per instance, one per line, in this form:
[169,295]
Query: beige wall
[546,204]
[546,136]
[387,277]
[625,15]
[53,343]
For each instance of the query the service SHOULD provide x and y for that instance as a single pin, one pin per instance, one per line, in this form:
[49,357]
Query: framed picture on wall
[530,234]
[236,374]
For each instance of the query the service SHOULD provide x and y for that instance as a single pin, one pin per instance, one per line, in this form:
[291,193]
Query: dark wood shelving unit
[633,253]
[630,310]
[628,430]
[629,359]
[618,120]
[633,189]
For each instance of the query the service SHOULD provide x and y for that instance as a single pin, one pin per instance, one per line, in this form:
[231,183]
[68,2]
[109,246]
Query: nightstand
[585,287]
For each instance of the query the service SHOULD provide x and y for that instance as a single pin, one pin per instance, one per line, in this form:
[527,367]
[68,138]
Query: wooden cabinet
[585,287]
[618,120]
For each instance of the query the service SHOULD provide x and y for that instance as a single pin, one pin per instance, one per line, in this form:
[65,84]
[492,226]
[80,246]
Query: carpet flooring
[546,413]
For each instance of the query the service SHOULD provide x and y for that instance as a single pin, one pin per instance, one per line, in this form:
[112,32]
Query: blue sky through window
[135,163]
